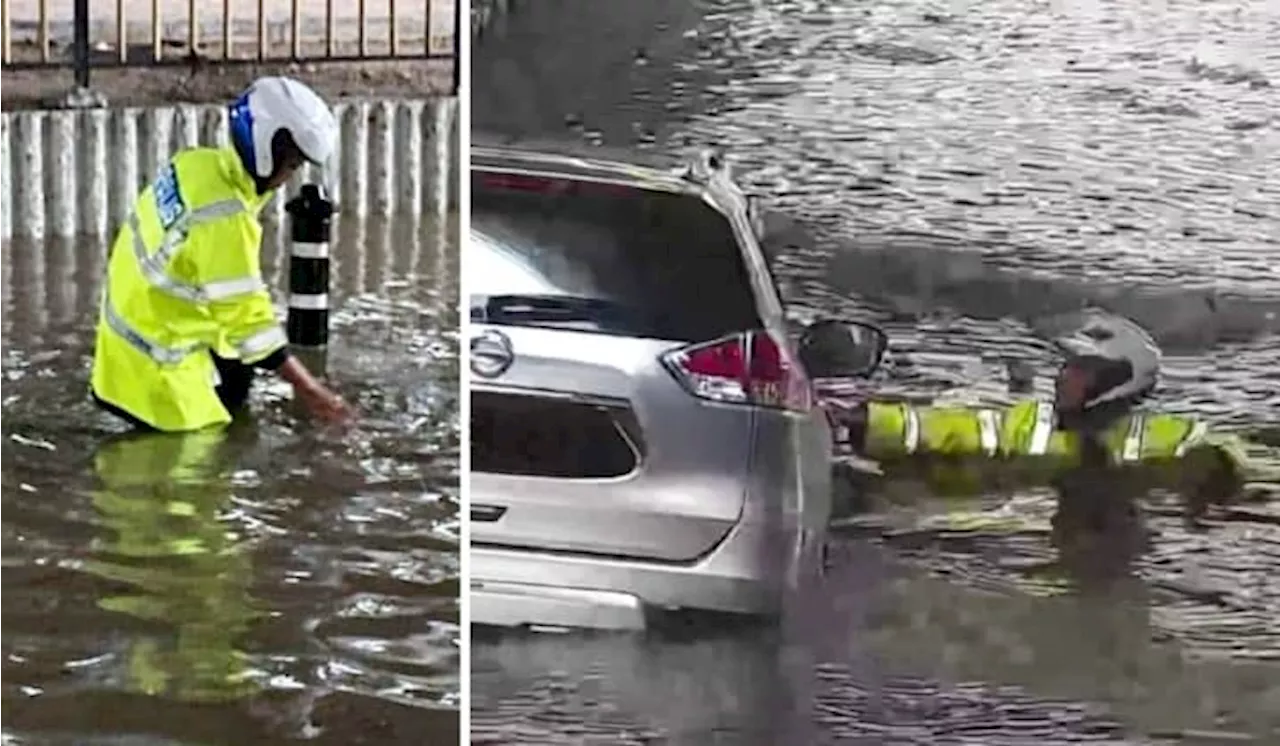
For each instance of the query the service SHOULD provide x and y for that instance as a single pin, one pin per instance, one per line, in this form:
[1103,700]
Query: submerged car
[644,434]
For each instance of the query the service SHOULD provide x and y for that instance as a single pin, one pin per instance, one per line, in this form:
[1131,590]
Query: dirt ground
[30,89]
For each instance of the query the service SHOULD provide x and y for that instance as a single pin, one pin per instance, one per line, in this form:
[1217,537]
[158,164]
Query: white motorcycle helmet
[275,105]
[1111,364]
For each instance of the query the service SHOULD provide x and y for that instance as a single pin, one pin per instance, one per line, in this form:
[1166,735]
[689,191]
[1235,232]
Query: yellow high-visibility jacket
[184,278]
[964,450]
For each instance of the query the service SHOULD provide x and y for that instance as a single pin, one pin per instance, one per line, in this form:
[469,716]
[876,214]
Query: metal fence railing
[143,33]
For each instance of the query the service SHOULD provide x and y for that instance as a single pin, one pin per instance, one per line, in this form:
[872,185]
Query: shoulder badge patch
[169,205]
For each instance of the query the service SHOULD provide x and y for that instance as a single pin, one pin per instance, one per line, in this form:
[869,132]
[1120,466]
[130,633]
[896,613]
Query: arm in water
[319,400]
[247,321]
[960,450]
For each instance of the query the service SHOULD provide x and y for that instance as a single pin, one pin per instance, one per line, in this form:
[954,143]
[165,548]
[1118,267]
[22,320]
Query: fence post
[457,46]
[80,96]
[80,42]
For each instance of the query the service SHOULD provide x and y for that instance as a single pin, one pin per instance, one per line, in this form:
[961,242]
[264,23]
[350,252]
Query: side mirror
[834,349]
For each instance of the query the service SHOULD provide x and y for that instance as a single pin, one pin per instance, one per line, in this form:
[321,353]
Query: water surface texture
[960,172]
[275,583]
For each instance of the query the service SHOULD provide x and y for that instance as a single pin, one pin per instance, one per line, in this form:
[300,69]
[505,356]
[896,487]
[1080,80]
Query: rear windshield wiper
[549,309]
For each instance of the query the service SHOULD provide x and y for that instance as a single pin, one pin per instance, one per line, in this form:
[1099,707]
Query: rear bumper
[537,605]
[744,574]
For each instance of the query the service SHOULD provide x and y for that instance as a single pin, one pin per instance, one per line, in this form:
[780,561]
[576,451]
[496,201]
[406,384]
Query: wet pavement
[958,172]
[272,584]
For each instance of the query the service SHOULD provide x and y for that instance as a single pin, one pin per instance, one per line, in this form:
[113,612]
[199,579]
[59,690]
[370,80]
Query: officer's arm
[1207,476]
[895,430]
[892,430]
[911,447]
[230,271]
[1224,467]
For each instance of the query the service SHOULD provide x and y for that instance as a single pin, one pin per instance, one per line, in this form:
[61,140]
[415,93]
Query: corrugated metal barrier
[68,173]
[49,288]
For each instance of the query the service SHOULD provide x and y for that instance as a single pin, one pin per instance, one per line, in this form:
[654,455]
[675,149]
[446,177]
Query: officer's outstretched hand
[321,402]
[848,424]
[325,405]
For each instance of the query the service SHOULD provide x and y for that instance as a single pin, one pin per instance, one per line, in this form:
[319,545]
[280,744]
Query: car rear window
[634,261]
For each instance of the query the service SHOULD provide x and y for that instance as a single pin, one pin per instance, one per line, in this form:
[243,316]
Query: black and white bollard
[312,218]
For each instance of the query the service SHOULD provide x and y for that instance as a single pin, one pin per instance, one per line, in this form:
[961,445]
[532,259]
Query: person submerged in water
[1092,443]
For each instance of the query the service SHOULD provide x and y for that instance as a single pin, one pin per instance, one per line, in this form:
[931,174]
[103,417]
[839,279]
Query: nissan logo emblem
[491,354]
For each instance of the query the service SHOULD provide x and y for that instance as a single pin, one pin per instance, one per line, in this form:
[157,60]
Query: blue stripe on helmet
[241,119]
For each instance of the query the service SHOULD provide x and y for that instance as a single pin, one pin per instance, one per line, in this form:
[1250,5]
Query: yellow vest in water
[963,450]
[184,278]
[1025,429]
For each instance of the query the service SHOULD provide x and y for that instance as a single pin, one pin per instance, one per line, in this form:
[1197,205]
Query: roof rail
[705,165]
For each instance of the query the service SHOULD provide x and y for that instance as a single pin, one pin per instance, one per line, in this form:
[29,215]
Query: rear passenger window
[607,258]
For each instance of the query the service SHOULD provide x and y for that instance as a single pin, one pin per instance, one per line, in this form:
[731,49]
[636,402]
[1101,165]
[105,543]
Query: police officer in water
[1093,441]
[186,318]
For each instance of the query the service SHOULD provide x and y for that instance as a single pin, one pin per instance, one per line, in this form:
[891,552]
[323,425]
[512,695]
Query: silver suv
[644,433]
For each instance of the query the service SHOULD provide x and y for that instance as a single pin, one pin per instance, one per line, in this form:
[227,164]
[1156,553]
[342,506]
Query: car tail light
[535,183]
[523,182]
[749,368]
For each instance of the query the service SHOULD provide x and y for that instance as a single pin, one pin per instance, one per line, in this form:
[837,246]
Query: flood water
[272,584]
[957,171]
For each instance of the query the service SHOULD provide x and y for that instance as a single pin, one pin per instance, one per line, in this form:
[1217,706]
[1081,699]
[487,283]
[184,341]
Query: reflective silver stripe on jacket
[1132,448]
[911,429]
[1192,439]
[989,431]
[267,340]
[153,265]
[1043,428]
[159,353]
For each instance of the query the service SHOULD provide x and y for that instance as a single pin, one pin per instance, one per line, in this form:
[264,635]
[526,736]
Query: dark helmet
[1111,364]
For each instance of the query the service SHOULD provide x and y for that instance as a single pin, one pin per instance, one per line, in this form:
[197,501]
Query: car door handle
[487,513]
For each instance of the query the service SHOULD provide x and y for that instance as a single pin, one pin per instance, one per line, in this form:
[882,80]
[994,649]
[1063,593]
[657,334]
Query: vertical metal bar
[329,44]
[44,30]
[262,29]
[395,29]
[295,19]
[7,29]
[157,40]
[122,33]
[426,28]
[228,28]
[193,28]
[362,31]
[457,47]
[80,42]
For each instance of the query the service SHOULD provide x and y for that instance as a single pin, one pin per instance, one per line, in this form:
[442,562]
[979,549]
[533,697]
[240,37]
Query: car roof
[641,170]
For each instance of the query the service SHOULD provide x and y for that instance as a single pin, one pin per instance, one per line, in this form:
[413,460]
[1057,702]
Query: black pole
[312,217]
[457,46]
[80,42]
